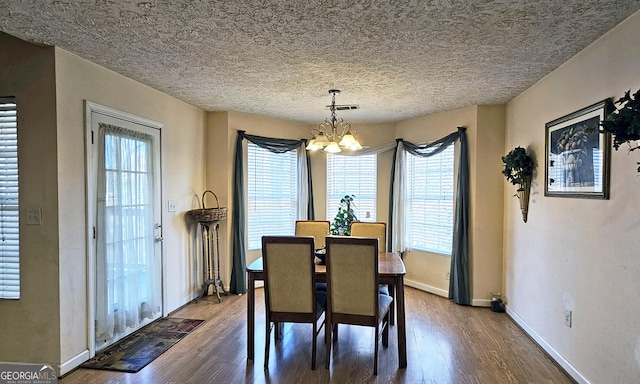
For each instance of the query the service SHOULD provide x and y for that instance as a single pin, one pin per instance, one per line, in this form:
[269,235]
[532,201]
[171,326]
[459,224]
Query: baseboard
[427,288]
[571,371]
[180,303]
[481,303]
[74,362]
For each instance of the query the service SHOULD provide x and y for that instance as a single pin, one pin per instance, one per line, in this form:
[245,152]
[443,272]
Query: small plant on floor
[342,222]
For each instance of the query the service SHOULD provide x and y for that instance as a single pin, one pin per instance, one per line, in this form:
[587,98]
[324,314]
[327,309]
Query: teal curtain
[239,251]
[459,285]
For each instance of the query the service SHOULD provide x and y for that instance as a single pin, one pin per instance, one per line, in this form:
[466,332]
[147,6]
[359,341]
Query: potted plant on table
[341,224]
[624,122]
[518,169]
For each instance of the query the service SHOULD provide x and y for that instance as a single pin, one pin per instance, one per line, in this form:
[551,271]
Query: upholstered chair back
[376,230]
[318,229]
[352,266]
[289,280]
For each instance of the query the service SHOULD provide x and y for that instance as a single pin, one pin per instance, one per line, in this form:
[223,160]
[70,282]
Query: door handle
[158,238]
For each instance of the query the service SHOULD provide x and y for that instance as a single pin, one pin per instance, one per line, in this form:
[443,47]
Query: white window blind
[352,175]
[9,223]
[429,201]
[272,194]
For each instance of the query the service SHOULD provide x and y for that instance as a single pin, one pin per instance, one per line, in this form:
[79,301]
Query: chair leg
[267,341]
[392,293]
[313,346]
[279,327]
[375,353]
[335,332]
[385,330]
[327,341]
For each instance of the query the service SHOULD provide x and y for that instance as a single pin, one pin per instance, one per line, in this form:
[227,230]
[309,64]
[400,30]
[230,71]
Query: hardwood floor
[446,343]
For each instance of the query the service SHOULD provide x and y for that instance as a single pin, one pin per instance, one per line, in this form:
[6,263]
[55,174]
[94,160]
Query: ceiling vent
[345,107]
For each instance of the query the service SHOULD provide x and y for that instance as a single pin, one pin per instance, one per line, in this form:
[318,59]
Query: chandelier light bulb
[333,147]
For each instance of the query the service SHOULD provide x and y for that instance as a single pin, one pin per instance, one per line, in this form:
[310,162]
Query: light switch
[34,216]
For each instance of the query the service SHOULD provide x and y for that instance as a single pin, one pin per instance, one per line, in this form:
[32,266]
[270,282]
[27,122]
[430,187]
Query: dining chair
[353,290]
[289,286]
[376,230]
[319,229]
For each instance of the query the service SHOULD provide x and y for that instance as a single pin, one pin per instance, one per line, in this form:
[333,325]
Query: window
[429,202]
[272,197]
[352,175]
[9,229]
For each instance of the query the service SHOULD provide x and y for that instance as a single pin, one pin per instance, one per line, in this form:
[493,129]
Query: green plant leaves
[342,222]
[518,166]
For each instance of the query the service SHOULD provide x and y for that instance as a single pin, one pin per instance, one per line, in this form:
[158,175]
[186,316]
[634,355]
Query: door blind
[9,223]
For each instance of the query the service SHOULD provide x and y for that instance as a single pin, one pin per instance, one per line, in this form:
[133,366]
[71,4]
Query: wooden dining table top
[389,264]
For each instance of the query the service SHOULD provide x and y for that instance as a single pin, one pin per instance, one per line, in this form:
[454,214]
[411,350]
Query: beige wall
[28,74]
[487,203]
[579,254]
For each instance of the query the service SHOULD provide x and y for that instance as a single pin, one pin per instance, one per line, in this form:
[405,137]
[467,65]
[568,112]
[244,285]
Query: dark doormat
[135,351]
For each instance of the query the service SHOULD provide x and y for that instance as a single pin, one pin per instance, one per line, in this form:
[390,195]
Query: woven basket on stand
[209,215]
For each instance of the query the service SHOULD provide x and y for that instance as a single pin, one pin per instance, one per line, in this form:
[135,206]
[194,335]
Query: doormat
[135,351]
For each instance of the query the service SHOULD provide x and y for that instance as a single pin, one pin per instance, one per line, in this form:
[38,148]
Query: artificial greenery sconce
[518,168]
[624,122]
[342,222]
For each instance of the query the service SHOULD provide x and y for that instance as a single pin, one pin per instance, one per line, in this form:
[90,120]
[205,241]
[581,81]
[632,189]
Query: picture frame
[578,155]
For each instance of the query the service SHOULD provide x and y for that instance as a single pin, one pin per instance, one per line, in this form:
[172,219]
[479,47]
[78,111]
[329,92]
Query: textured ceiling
[396,59]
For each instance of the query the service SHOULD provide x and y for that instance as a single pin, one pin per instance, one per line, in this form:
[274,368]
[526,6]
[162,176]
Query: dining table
[391,271]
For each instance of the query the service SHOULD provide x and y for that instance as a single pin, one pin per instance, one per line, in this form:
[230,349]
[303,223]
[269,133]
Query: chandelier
[333,134]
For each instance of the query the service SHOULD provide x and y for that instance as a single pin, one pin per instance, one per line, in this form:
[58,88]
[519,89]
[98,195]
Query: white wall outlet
[447,275]
[568,315]
[171,205]
[34,216]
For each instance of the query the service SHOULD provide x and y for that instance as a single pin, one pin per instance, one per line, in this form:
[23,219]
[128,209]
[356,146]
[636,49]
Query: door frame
[90,185]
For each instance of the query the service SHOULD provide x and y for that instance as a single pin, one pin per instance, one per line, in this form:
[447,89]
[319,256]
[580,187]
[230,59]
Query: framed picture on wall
[577,160]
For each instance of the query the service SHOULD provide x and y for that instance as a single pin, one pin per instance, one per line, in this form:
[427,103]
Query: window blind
[429,204]
[9,213]
[352,175]
[272,194]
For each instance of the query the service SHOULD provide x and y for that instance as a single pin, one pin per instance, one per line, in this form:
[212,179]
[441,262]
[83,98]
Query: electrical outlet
[171,205]
[568,314]
[446,275]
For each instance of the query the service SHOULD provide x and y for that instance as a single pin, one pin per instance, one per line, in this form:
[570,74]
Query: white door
[126,232]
